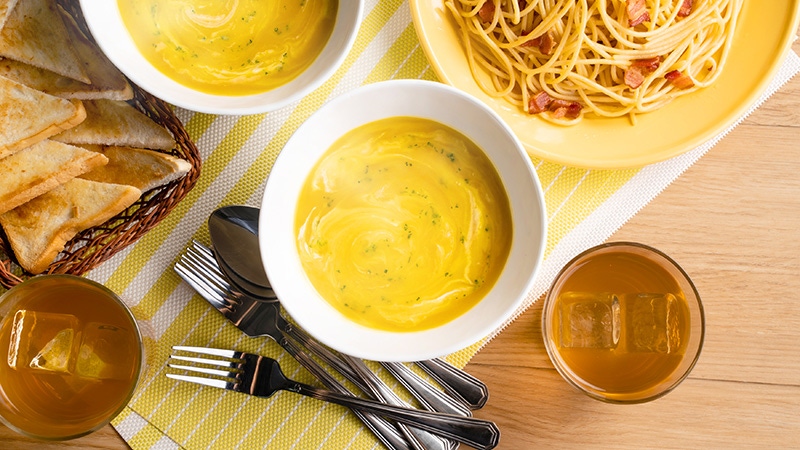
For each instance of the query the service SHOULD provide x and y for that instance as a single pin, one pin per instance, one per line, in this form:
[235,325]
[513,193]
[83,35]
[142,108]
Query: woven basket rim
[93,246]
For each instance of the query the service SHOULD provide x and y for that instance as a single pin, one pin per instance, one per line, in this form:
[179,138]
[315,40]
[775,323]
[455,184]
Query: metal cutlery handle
[430,397]
[422,390]
[368,383]
[385,431]
[461,386]
[330,358]
[477,433]
[456,382]
[382,392]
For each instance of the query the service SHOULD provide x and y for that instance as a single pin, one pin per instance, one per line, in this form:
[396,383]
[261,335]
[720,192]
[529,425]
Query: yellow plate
[765,33]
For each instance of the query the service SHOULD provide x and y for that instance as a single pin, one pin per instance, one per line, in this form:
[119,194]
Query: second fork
[260,319]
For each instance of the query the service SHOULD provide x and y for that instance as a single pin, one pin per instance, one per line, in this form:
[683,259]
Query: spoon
[230,232]
[234,232]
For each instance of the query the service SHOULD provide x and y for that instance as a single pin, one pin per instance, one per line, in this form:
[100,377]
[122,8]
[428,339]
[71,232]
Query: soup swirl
[403,225]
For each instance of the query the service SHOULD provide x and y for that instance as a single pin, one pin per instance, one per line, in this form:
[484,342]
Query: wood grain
[105,438]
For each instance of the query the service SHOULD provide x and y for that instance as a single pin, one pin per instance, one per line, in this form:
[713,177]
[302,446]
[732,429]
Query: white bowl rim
[277,241]
[105,23]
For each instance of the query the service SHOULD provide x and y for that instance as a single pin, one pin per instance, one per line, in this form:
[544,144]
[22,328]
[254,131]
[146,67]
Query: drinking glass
[623,323]
[73,356]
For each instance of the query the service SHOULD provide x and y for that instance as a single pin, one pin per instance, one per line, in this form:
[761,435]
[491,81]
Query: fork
[261,376]
[466,392]
[199,268]
[257,318]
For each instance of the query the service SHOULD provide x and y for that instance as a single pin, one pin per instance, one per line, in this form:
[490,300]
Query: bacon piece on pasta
[634,77]
[535,42]
[559,113]
[648,64]
[486,13]
[564,108]
[574,110]
[637,12]
[686,8]
[539,102]
[546,43]
[679,79]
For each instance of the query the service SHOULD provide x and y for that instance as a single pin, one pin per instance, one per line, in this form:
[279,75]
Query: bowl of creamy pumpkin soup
[402,221]
[228,56]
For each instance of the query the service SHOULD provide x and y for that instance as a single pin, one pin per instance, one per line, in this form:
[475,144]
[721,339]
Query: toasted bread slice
[60,86]
[111,122]
[6,6]
[39,229]
[35,34]
[144,169]
[107,81]
[28,116]
[40,168]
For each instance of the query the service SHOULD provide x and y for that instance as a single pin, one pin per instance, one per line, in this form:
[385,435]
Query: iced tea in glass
[73,355]
[623,323]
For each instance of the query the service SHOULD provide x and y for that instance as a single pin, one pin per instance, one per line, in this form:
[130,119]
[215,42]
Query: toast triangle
[28,116]
[34,33]
[112,122]
[40,168]
[39,229]
[142,168]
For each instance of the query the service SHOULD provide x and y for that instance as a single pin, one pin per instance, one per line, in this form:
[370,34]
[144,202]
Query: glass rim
[555,357]
[139,340]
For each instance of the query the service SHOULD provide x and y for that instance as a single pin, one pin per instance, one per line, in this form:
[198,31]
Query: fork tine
[207,269]
[200,380]
[198,273]
[186,269]
[205,256]
[210,362]
[198,283]
[229,377]
[208,351]
[205,370]
[206,265]
[202,248]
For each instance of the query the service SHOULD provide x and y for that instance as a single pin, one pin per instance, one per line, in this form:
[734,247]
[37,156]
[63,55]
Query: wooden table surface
[733,222]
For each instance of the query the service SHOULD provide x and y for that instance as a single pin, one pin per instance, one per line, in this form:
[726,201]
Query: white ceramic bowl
[105,23]
[313,138]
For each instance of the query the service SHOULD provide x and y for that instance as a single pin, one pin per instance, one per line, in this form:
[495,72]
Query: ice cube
[589,320]
[106,352]
[652,323]
[55,355]
[42,341]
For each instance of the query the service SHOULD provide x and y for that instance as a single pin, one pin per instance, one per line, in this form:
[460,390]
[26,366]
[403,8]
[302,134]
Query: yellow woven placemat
[584,207]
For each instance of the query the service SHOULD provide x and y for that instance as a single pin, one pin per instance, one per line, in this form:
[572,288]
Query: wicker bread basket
[95,245]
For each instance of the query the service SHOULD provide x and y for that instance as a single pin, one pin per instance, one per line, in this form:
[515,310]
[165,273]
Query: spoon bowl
[234,234]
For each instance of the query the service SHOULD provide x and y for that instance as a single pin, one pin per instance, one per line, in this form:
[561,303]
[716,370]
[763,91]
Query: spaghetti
[567,59]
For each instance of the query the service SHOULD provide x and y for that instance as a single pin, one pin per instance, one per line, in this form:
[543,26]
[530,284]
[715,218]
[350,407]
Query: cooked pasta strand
[580,50]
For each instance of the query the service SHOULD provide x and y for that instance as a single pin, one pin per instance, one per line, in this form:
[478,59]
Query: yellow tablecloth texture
[583,207]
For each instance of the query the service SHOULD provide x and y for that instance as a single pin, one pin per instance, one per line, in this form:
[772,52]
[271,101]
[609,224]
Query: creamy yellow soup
[403,225]
[230,47]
